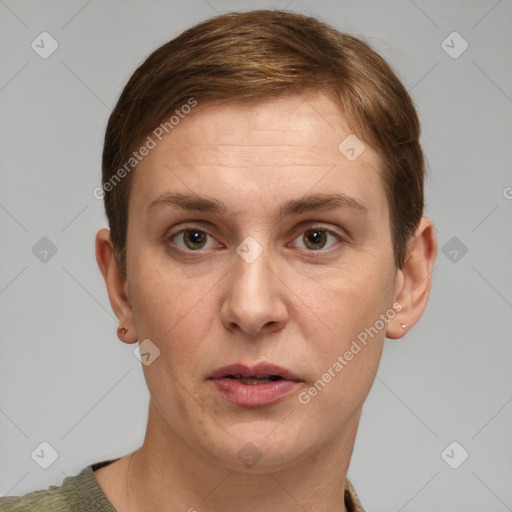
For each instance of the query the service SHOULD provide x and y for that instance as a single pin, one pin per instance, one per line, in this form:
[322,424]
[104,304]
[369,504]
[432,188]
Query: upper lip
[260,370]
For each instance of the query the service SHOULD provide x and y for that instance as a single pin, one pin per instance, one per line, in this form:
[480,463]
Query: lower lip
[253,395]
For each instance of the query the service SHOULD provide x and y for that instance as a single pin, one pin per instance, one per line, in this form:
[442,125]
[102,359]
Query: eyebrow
[309,203]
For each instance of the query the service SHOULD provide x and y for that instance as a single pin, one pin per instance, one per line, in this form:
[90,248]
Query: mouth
[252,386]
[251,375]
[253,380]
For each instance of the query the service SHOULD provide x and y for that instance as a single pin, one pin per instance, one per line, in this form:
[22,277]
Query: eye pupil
[314,239]
[195,237]
[315,236]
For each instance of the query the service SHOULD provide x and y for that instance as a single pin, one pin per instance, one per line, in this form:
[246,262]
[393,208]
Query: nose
[254,297]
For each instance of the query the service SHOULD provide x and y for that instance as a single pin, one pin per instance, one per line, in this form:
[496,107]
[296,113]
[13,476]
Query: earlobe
[414,279]
[116,287]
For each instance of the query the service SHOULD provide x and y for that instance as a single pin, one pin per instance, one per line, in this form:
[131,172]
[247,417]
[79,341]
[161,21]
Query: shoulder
[80,493]
[48,500]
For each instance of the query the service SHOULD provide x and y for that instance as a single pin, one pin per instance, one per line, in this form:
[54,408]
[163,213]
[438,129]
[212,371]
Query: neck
[167,474]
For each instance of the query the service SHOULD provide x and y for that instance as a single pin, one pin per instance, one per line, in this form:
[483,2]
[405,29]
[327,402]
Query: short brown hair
[254,56]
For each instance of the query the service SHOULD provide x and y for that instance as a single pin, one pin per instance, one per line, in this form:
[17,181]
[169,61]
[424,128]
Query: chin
[260,449]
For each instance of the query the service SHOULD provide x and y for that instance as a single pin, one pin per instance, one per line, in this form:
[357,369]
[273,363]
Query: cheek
[176,313]
[350,296]
[350,334]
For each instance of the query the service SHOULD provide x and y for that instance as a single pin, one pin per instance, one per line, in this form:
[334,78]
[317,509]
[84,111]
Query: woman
[263,182]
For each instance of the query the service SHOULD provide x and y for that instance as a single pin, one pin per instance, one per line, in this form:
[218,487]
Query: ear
[117,288]
[414,279]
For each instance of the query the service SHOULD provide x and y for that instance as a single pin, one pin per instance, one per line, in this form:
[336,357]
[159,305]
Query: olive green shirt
[82,493]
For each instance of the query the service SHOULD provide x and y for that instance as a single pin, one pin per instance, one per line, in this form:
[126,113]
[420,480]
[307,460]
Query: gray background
[66,379]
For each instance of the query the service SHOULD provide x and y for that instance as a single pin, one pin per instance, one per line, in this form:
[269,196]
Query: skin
[300,305]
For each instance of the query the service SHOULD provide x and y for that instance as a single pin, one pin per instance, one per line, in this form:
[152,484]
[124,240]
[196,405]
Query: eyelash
[312,227]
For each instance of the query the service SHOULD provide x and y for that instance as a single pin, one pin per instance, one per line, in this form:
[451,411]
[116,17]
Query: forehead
[280,148]
[264,130]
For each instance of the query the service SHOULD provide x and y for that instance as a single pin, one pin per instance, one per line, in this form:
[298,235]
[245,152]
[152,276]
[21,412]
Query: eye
[317,238]
[192,238]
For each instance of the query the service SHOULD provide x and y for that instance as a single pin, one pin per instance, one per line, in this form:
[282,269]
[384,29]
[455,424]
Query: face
[254,241]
